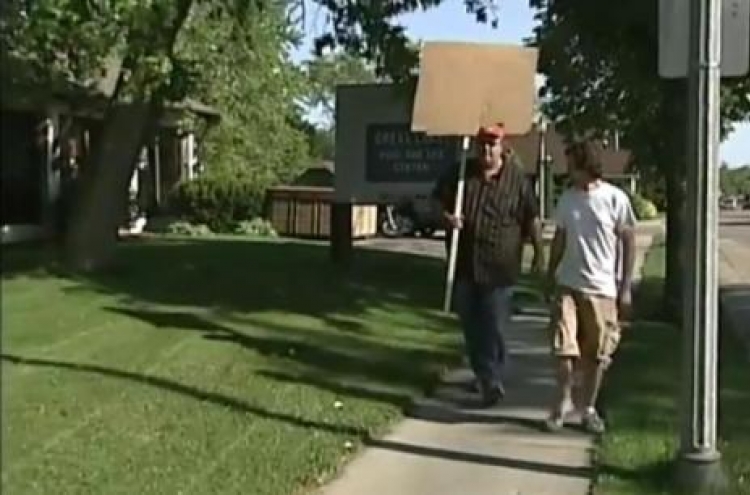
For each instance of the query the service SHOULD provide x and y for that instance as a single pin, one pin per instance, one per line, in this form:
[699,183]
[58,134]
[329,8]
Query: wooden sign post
[450,278]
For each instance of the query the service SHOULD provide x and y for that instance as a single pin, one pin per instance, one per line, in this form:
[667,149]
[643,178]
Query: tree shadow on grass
[257,294]
[257,276]
[33,259]
[232,403]
[243,407]
[339,355]
[248,276]
[331,384]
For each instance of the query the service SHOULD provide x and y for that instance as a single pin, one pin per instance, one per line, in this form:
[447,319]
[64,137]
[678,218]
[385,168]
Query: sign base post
[342,238]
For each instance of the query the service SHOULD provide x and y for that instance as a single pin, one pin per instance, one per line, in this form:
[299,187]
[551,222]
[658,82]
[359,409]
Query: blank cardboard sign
[465,85]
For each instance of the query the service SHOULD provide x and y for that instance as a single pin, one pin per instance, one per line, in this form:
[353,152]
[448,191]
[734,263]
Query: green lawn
[641,403]
[210,366]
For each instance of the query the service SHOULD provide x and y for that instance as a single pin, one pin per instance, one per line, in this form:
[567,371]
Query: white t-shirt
[592,220]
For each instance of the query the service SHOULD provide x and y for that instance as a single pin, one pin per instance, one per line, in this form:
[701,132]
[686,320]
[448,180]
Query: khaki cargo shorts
[584,326]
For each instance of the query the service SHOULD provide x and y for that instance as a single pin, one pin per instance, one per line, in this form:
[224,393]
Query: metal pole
[699,458]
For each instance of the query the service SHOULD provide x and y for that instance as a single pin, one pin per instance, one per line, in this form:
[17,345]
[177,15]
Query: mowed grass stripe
[72,340]
[268,338]
[129,393]
[24,292]
[47,392]
[155,432]
[44,291]
[52,318]
[116,340]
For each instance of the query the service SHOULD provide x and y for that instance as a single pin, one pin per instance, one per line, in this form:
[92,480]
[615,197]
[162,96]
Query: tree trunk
[102,203]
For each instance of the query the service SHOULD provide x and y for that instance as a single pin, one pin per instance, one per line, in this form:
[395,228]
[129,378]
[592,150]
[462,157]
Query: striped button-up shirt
[499,213]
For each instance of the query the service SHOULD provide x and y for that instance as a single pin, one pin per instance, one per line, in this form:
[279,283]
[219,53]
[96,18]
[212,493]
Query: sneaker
[491,395]
[554,423]
[592,422]
[473,386]
[556,420]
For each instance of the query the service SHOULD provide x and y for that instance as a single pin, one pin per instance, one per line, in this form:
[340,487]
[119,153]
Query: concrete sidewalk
[447,446]
[734,273]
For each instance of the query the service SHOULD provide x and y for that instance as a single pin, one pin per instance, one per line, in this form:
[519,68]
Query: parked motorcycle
[409,218]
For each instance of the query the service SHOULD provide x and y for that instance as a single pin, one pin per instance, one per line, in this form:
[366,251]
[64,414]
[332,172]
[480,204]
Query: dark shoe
[473,386]
[492,394]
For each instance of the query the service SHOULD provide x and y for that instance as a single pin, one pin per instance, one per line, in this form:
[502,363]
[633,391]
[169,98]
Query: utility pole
[699,463]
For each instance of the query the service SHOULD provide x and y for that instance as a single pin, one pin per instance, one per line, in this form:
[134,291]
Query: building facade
[46,141]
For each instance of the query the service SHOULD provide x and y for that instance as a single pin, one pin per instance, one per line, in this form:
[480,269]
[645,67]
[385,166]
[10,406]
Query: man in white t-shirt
[591,267]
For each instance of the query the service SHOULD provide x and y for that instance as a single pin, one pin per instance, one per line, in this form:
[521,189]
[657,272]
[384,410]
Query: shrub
[188,229]
[255,227]
[644,209]
[221,203]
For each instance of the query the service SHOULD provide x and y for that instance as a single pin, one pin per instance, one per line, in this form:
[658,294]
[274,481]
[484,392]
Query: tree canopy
[371,31]
[600,63]
[600,59]
[246,73]
[735,181]
[327,71]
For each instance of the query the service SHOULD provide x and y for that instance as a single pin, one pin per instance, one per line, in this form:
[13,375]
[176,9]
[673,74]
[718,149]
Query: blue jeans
[484,313]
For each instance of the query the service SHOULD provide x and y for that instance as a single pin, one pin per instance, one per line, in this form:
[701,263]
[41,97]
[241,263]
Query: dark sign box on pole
[395,154]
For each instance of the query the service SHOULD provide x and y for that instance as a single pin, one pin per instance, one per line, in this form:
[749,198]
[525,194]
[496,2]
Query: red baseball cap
[491,132]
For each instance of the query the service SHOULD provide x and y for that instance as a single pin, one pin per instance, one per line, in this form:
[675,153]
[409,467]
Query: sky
[450,22]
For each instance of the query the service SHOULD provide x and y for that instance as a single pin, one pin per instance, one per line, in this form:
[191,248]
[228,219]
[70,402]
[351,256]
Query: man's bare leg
[565,375]
[578,392]
[565,378]
[593,376]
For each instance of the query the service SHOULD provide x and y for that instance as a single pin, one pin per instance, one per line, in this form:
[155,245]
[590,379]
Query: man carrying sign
[500,213]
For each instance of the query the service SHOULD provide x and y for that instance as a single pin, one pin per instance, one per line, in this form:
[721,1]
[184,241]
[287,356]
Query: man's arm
[627,241]
[535,236]
[626,235]
[532,226]
[444,195]
[557,250]
[626,222]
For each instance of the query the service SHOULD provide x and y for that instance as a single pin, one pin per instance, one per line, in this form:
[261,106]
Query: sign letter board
[393,153]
